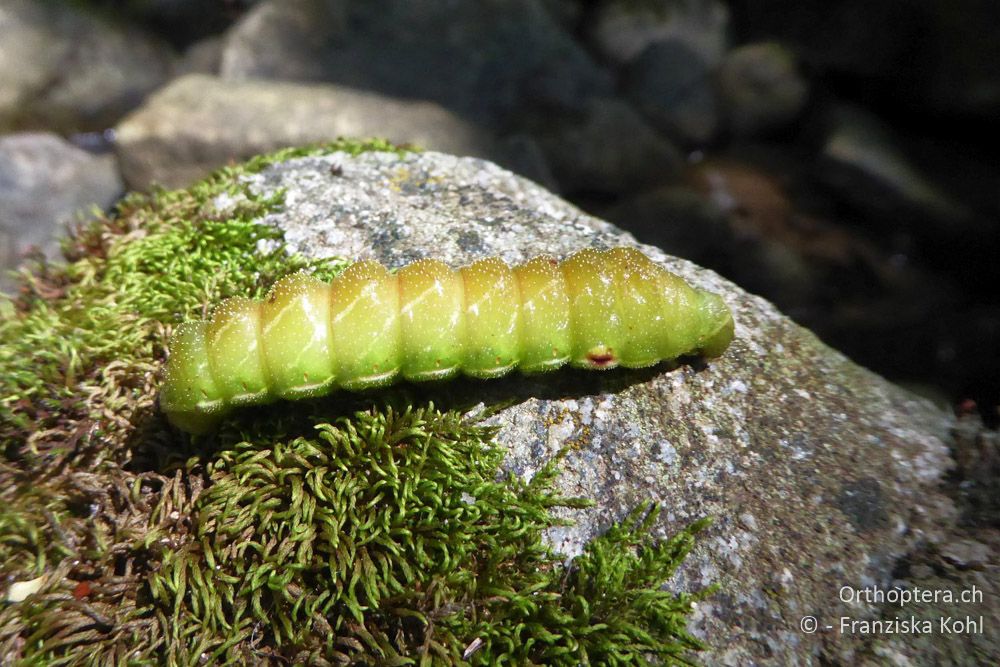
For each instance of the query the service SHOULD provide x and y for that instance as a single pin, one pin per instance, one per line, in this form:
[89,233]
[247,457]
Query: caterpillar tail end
[720,328]
[188,385]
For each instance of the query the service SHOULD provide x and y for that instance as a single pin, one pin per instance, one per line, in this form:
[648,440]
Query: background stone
[861,159]
[937,59]
[202,57]
[761,89]
[672,86]
[622,29]
[679,220]
[607,148]
[46,184]
[866,39]
[62,69]
[199,123]
[483,60]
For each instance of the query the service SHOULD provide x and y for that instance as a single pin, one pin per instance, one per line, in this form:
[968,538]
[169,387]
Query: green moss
[390,537]
[88,328]
[30,517]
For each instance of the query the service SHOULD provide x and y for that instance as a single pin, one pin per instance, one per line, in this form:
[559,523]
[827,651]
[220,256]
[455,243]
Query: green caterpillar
[597,309]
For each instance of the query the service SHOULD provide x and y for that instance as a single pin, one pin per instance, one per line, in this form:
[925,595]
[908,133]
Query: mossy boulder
[818,473]
[282,534]
[378,530]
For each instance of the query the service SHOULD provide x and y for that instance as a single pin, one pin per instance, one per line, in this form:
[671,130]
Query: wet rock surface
[818,473]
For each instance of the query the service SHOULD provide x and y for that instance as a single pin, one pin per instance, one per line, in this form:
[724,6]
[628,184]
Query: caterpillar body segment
[369,327]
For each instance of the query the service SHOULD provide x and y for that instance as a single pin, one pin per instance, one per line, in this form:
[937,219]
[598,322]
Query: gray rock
[761,88]
[977,455]
[482,60]
[65,70]
[199,123]
[607,148]
[522,154]
[680,220]
[202,57]
[28,55]
[839,469]
[672,86]
[622,29]
[962,602]
[45,184]
[966,553]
